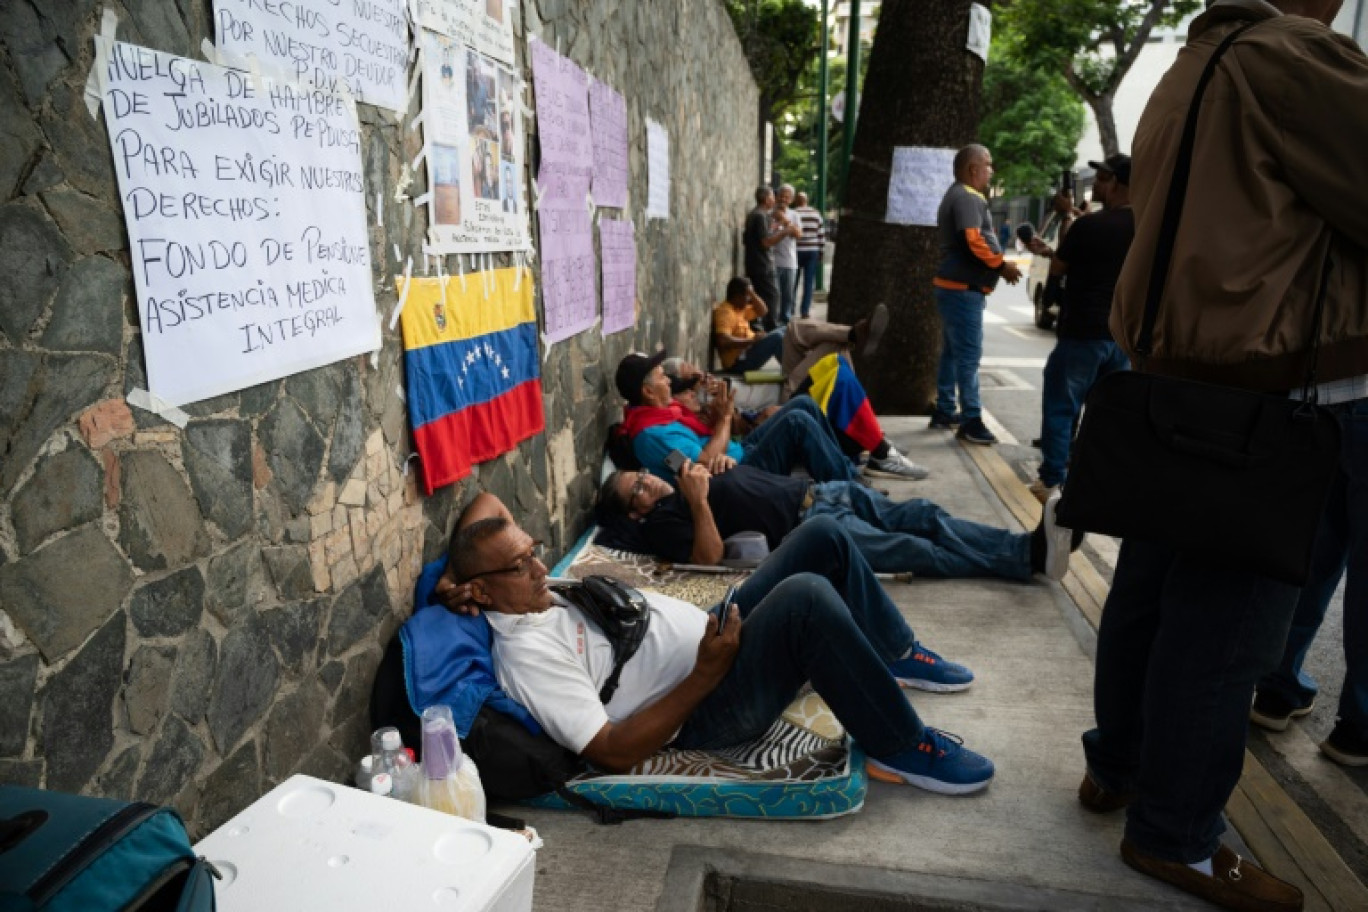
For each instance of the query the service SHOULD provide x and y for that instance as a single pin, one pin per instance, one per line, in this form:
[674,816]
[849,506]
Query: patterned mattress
[803,767]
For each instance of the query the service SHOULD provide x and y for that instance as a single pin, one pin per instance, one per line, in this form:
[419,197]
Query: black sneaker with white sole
[1345,746]
[973,430]
[1273,711]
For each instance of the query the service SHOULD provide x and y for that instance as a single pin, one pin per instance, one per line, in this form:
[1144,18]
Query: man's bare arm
[619,746]
[694,481]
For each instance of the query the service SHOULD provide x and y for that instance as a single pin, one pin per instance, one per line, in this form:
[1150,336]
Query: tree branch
[1125,59]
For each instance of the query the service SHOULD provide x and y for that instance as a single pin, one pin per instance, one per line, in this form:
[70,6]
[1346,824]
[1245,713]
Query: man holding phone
[813,612]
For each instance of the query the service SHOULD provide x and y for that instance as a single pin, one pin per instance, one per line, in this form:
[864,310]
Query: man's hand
[1010,272]
[693,481]
[1039,247]
[455,597]
[1063,203]
[720,463]
[717,652]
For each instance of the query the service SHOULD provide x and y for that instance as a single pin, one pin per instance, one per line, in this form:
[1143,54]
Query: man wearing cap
[1091,253]
[798,434]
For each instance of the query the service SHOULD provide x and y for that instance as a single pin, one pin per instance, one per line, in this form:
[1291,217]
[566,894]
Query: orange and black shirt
[970,252]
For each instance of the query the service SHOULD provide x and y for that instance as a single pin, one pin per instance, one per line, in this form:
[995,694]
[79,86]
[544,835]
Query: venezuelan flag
[470,359]
[838,391]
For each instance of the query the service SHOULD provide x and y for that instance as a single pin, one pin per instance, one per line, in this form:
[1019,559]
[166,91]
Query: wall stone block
[293,630]
[236,580]
[160,523]
[16,684]
[37,394]
[119,776]
[193,675]
[294,451]
[78,704]
[347,438]
[146,691]
[291,571]
[90,226]
[106,421]
[218,457]
[293,730]
[56,607]
[33,258]
[357,611]
[26,773]
[65,491]
[245,684]
[169,606]
[227,790]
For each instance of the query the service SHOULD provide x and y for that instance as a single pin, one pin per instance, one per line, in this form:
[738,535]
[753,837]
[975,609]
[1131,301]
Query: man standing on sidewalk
[759,239]
[971,263]
[1279,185]
[810,247]
[1091,253]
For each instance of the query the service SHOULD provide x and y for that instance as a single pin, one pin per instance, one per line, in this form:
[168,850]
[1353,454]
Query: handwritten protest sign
[326,44]
[617,245]
[246,221]
[658,170]
[569,296]
[919,178]
[485,25]
[608,116]
[475,150]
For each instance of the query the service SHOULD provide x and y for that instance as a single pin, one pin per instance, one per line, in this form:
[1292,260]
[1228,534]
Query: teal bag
[67,853]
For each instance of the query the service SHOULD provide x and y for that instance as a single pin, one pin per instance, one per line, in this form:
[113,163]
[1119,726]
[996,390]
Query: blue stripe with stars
[452,376]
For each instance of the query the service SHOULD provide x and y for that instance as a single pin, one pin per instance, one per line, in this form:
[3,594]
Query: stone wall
[191,615]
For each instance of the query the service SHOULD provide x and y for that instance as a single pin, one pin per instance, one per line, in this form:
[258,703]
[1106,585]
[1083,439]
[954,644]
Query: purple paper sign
[617,244]
[608,115]
[569,298]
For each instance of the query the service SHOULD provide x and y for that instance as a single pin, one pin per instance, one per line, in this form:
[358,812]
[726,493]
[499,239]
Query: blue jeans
[1179,650]
[961,350]
[813,611]
[771,346]
[919,537]
[808,260]
[1072,369]
[798,434]
[788,285]
[1341,544]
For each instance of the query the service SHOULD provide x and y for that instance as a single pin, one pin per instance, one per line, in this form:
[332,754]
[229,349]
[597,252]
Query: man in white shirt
[812,612]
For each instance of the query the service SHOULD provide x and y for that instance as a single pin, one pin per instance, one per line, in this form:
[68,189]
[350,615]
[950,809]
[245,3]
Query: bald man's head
[974,167]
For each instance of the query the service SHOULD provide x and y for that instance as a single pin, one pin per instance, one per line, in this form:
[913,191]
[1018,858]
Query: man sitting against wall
[656,425]
[813,612]
[686,522]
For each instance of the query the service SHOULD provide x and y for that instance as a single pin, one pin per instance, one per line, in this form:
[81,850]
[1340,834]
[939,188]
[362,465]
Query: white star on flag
[505,373]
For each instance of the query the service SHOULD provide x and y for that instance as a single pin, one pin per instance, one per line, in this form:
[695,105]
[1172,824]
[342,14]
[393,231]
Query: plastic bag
[450,782]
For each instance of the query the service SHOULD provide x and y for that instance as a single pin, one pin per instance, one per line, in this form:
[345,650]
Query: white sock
[1204,866]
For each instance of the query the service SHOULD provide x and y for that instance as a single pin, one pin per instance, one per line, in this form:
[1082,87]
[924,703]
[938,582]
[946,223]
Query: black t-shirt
[1095,248]
[759,258]
[743,499]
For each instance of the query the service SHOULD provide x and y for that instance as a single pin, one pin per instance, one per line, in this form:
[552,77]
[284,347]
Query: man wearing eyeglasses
[686,522]
[813,611]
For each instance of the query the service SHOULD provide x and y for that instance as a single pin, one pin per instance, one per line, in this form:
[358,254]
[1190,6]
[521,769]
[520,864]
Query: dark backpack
[68,853]
[617,609]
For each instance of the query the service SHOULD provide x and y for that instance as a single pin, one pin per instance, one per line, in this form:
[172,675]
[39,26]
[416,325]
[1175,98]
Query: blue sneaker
[940,763]
[925,670]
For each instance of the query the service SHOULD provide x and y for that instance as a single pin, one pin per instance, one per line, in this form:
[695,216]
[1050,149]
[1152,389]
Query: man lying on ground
[813,612]
[686,522]
[697,392]
[798,434]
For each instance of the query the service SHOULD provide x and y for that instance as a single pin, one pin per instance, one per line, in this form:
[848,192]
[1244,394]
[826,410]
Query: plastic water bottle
[381,784]
[364,770]
[396,762]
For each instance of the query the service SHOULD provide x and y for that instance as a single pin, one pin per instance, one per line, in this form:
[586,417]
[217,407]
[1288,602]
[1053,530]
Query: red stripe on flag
[864,427]
[450,445]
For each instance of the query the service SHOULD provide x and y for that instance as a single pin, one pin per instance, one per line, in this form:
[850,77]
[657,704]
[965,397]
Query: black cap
[631,374]
[1118,164]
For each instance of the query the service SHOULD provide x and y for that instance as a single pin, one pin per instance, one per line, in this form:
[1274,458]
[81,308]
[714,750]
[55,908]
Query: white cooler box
[310,844]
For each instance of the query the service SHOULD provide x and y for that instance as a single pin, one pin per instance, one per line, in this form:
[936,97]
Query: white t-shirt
[555,662]
[786,251]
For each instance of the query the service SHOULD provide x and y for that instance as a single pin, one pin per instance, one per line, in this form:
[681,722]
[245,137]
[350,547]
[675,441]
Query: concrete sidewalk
[1024,843]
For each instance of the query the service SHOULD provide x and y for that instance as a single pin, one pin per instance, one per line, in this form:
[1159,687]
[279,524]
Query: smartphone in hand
[723,608]
[674,461]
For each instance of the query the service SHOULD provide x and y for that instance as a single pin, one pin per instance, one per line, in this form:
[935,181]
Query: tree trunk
[1106,124]
[923,88]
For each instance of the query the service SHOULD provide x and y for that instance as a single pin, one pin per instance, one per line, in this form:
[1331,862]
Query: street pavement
[1011,378]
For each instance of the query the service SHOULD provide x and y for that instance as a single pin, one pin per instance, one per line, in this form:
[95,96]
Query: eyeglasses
[521,567]
[638,488]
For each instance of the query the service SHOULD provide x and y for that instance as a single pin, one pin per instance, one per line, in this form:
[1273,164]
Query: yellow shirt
[729,321]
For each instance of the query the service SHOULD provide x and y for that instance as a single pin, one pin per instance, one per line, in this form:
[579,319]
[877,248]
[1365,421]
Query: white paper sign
[917,183]
[980,30]
[475,150]
[246,221]
[485,25]
[657,170]
[362,44]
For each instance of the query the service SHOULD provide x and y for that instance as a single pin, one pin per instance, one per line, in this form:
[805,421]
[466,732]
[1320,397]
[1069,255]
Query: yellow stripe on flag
[429,319]
[823,375]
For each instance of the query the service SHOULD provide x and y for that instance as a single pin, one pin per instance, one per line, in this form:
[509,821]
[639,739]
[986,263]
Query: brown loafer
[1234,883]
[1100,801]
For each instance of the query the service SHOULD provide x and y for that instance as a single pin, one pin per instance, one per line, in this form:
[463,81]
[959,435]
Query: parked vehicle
[1044,292]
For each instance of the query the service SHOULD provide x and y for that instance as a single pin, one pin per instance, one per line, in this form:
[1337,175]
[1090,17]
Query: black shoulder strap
[1177,192]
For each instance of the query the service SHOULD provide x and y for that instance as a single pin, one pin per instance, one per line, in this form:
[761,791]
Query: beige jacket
[1279,176]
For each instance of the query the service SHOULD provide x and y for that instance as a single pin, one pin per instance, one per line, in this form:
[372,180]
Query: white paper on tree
[475,149]
[658,170]
[485,25]
[617,248]
[917,182]
[980,30]
[246,217]
[326,44]
[608,116]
